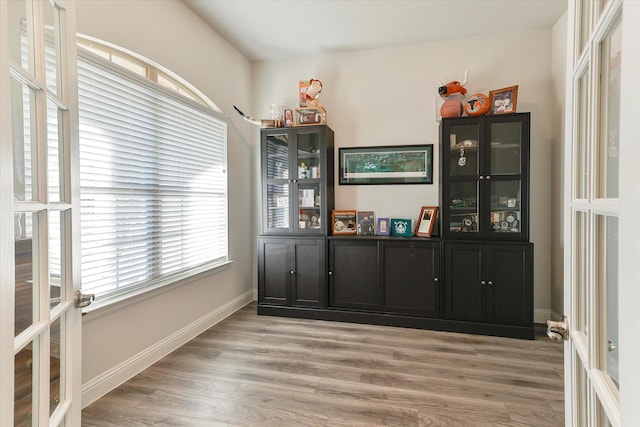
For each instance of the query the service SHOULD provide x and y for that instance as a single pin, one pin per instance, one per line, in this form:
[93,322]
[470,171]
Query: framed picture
[401,164]
[426,221]
[503,101]
[384,227]
[401,227]
[343,222]
[366,222]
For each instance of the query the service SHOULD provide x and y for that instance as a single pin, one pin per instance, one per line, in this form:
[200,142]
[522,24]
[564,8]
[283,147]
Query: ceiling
[283,29]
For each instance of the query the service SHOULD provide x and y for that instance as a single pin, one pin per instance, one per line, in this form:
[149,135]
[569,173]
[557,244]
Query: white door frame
[621,407]
[64,102]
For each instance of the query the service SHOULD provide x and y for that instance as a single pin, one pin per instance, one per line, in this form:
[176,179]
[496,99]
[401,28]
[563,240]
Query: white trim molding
[114,377]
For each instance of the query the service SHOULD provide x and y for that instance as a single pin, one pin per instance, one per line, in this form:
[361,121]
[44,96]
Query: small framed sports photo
[426,221]
[343,222]
[384,227]
[366,222]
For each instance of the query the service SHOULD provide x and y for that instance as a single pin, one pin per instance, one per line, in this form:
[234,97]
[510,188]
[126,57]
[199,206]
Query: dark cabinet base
[385,319]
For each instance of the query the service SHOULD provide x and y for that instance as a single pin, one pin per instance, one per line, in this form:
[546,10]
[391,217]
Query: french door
[40,326]
[600,208]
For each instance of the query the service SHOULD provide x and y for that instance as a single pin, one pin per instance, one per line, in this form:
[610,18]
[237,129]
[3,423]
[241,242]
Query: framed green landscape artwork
[398,164]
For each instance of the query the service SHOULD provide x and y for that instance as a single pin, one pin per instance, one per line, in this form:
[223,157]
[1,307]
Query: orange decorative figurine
[453,92]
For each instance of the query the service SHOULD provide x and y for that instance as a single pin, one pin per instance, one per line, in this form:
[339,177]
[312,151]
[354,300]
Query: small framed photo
[401,227]
[426,221]
[503,101]
[343,222]
[366,222]
[384,227]
[288,117]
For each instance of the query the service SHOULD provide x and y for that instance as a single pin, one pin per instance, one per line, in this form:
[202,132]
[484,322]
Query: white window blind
[153,181]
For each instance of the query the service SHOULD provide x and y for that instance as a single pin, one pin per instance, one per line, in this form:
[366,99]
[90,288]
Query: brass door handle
[558,331]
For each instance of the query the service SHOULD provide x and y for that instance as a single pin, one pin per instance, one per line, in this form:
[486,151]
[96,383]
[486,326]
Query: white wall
[119,340]
[387,96]
[559,71]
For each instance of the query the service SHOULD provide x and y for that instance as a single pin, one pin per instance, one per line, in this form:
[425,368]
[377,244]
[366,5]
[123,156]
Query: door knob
[558,331]
[82,300]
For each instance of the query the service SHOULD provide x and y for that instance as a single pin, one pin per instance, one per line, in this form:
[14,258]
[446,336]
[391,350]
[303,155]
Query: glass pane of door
[308,155]
[20,46]
[278,206]
[505,207]
[56,253]
[580,260]
[464,207]
[581,151]
[26,365]
[55,366]
[506,143]
[23,108]
[608,147]
[52,46]
[463,144]
[54,152]
[278,156]
[607,274]
[26,276]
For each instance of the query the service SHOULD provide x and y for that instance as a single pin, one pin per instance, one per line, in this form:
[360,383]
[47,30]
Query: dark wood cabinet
[485,177]
[411,277]
[489,282]
[291,271]
[297,180]
[476,278]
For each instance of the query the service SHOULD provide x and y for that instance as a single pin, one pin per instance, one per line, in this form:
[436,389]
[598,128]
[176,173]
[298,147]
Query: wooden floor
[252,370]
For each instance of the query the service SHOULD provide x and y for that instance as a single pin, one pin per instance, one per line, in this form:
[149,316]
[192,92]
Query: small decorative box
[401,227]
[310,116]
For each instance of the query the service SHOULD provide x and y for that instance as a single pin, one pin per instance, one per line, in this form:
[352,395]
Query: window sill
[105,305]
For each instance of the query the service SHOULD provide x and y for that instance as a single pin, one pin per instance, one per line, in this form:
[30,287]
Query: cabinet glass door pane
[464,207]
[505,207]
[308,156]
[278,156]
[463,143]
[309,212]
[506,143]
[278,206]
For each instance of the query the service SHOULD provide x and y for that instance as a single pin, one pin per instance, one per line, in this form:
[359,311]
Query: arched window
[153,180]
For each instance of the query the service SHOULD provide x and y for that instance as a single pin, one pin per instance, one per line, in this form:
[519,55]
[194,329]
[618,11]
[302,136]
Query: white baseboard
[119,374]
[541,315]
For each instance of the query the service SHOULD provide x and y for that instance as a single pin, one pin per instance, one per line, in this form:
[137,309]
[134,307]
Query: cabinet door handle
[483,283]
[481,177]
[489,282]
[292,272]
[435,279]
[331,273]
[488,177]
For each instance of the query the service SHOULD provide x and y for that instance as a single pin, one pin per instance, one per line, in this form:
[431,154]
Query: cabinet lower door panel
[308,283]
[274,271]
[408,277]
[354,275]
[509,298]
[463,291]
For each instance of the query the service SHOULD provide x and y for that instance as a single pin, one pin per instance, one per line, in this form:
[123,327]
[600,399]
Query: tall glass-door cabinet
[297,179]
[297,200]
[485,177]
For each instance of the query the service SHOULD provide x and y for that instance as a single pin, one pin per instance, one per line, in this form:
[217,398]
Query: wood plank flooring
[252,370]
